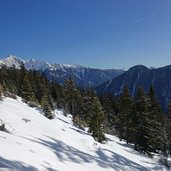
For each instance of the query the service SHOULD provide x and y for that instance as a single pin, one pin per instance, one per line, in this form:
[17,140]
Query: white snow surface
[56,145]
[11,61]
[37,65]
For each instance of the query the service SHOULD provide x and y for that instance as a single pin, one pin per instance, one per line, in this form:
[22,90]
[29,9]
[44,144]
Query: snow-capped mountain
[11,61]
[37,65]
[83,76]
[35,143]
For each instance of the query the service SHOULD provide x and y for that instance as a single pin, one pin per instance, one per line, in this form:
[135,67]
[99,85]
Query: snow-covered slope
[56,145]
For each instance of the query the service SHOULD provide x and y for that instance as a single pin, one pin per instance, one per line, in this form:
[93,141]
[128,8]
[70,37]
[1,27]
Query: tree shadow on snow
[124,144]
[79,130]
[62,120]
[15,165]
[65,152]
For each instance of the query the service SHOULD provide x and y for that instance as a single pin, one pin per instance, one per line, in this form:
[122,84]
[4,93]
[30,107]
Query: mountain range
[104,80]
[83,76]
[141,76]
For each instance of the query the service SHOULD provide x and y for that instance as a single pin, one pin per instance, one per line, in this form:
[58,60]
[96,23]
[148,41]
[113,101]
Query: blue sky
[95,33]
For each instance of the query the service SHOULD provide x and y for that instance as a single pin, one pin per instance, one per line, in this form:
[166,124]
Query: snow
[11,61]
[56,145]
[32,64]
[65,67]
[37,65]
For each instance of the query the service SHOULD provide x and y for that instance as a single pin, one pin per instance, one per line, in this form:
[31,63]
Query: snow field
[39,144]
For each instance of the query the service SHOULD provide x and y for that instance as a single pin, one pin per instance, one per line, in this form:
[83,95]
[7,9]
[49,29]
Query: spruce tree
[125,116]
[165,140]
[141,110]
[78,117]
[154,124]
[71,96]
[47,105]
[27,92]
[96,122]
[87,104]
[57,94]
[22,74]
[167,132]
[108,104]
[1,91]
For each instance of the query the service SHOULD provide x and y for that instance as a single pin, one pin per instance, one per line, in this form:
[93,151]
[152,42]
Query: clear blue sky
[96,33]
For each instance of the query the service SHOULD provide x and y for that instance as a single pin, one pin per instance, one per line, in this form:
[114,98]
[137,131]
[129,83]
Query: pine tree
[87,98]
[27,92]
[22,74]
[166,139]
[1,91]
[96,122]
[47,105]
[57,94]
[125,116]
[154,122]
[78,117]
[141,110]
[71,97]
[108,104]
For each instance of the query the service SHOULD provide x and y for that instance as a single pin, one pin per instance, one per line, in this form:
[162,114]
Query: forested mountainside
[141,76]
[138,120]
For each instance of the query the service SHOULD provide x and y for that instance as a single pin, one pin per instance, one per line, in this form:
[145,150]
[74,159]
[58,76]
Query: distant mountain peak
[11,61]
[37,65]
[13,57]
[10,56]
[71,66]
[137,67]
[152,67]
[83,76]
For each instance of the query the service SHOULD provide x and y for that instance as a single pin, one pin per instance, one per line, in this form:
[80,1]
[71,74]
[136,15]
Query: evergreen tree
[1,91]
[47,105]
[141,109]
[165,140]
[78,117]
[57,94]
[154,122]
[39,89]
[125,116]
[87,98]
[71,97]
[26,88]
[108,104]
[96,122]
[22,74]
